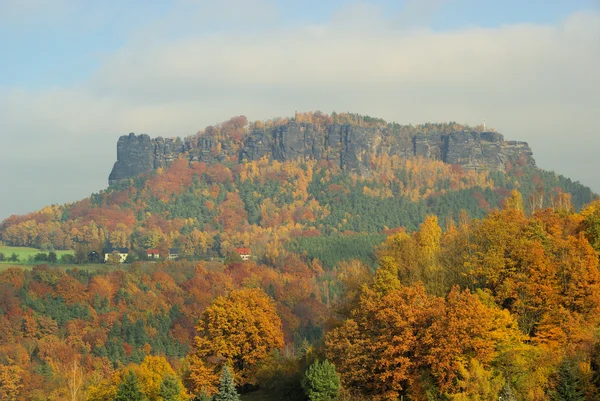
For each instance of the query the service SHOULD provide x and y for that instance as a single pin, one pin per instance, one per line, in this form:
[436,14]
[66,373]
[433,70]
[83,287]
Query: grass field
[88,267]
[24,253]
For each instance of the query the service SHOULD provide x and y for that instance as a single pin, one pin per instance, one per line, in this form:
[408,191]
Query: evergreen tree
[170,389]
[202,396]
[129,389]
[227,391]
[568,386]
[321,382]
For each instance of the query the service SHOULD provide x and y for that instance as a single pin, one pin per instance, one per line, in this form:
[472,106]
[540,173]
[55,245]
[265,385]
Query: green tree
[52,257]
[170,389]
[13,258]
[227,391]
[202,396]
[67,259]
[233,257]
[2,257]
[129,389]
[568,386]
[321,382]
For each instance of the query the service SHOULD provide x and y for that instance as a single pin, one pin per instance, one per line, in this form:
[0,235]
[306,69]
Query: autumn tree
[242,328]
[152,373]
[10,382]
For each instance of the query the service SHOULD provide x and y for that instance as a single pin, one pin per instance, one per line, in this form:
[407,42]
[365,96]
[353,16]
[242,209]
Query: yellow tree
[10,382]
[373,350]
[242,328]
[151,373]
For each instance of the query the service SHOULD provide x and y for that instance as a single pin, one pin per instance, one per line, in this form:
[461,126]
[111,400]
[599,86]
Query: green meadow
[24,253]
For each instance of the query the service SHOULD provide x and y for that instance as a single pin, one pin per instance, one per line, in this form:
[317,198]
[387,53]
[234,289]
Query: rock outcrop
[140,154]
[351,147]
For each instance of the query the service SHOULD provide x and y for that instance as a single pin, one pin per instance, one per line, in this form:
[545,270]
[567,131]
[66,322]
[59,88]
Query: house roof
[243,251]
[111,250]
[153,250]
[173,250]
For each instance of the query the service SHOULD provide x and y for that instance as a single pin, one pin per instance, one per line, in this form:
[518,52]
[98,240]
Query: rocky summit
[352,147]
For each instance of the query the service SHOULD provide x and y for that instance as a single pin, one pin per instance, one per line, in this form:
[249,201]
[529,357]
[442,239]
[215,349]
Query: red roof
[154,251]
[243,251]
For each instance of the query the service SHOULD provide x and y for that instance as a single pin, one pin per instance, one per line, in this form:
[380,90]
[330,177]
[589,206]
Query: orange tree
[240,329]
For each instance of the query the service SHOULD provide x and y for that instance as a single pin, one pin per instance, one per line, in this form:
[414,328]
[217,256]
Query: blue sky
[52,44]
[75,75]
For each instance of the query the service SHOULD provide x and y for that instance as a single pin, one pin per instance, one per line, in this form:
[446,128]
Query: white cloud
[532,82]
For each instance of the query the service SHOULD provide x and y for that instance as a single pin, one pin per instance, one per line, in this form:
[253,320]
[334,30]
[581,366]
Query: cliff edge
[350,146]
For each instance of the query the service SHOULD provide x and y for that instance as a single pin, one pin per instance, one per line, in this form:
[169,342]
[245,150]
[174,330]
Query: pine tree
[568,387]
[321,382]
[202,396]
[129,389]
[170,389]
[227,391]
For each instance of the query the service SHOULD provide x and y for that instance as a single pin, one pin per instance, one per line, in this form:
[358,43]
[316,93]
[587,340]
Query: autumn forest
[421,280]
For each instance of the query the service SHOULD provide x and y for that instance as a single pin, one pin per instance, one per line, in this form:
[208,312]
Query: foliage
[171,389]
[241,329]
[227,391]
[321,382]
[129,389]
[568,385]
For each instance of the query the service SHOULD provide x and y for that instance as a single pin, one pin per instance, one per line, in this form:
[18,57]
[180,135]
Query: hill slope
[260,185]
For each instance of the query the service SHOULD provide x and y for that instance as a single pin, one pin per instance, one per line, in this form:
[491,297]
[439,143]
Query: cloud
[532,82]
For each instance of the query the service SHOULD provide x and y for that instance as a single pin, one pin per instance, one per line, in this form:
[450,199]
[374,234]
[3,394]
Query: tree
[52,257]
[321,382]
[233,257]
[227,391]
[152,373]
[13,257]
[243,329]
[202,396]
[129,389]
[75,381]
[10,382]
[568,386]
[170,389]
[2,257]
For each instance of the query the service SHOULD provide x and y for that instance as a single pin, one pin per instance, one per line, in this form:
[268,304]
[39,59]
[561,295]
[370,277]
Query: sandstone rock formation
[350,146]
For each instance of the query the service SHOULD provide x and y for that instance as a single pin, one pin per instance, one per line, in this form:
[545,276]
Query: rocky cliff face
[140,154]
[351,147]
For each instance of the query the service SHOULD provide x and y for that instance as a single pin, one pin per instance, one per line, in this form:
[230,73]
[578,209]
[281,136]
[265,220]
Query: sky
[75,75]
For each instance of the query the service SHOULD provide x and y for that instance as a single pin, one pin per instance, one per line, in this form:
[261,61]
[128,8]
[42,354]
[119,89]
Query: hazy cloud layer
[177,75]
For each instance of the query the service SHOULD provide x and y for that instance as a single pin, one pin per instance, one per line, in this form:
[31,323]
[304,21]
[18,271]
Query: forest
[421,281]
[206,210]
[507,305]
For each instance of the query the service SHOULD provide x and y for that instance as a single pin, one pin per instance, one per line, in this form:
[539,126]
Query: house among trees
[244,253]
[173,253]
[93,257]
[153,253]
[122,252]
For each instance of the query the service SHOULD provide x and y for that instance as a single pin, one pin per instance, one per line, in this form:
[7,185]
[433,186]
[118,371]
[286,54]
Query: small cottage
[153,254]
[244,253]
[122,252]
[173,253]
